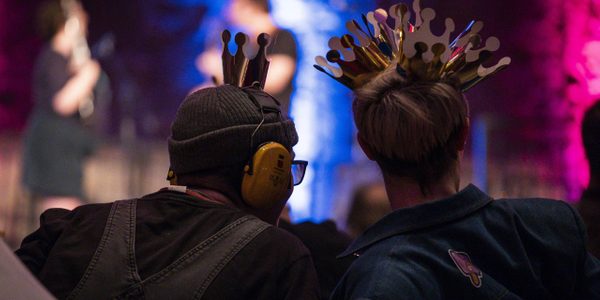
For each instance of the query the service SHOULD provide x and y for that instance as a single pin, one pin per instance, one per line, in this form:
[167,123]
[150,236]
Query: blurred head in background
[61,18]
[369,204]
[245,12]
[591,142]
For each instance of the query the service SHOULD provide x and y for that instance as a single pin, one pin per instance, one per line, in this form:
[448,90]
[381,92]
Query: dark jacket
[274,265]
[589,208]
[324,242]
[470,246]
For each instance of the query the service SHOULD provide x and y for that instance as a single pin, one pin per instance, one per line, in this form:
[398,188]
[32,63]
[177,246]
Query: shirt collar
[459,205]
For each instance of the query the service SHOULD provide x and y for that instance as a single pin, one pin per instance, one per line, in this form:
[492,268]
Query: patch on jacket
[466,267]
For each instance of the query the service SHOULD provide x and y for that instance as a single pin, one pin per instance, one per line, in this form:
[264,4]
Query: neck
[211,196]
[225,194]
[406,192]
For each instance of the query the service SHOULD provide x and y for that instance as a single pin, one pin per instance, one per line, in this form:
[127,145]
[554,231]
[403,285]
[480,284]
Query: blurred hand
[77,89]
[209,63]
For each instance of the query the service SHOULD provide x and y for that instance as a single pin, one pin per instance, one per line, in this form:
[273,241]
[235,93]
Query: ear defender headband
[267,176]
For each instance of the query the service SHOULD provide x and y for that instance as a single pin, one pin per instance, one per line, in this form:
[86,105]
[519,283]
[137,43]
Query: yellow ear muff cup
[269,180]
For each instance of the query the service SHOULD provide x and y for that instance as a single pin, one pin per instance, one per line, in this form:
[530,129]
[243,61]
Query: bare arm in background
[281,69]
[281,72]
[66,101]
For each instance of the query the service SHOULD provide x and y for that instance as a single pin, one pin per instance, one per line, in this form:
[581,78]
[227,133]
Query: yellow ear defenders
[267,177]
[172,177]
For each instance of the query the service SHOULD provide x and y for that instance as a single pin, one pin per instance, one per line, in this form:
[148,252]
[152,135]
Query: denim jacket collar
[430,214]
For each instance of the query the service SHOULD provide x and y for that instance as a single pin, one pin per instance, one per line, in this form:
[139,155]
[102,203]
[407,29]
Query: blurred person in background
[56,141]
[589,207]
[441,241]
[325,242]
[254,17]
[369,204]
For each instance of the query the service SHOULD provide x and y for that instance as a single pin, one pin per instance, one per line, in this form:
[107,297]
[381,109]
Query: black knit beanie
[212,129]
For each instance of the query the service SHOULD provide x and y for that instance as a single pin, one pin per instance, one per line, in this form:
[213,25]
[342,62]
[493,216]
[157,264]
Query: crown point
[333,56]
[450,25]
[240,69]
[417,10]
[354,28]
[502,63]
[263,39]
[477,27]
[336,72]
[366,22]
[335,43]
[474,42]
[240,39]
[396,13]
[373,21]
[381,15]
[428,14]
[492,43]
[226,58]
[399,12]
[226,36]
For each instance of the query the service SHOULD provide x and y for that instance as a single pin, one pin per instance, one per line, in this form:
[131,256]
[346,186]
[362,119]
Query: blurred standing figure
[369,205]
[589,207]
[255,16]
[56,142]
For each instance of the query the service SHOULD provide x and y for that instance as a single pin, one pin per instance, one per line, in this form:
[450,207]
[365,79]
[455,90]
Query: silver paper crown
[241,70]
[413,49]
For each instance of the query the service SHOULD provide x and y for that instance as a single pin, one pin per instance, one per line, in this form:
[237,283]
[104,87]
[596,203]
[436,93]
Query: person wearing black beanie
[208,235]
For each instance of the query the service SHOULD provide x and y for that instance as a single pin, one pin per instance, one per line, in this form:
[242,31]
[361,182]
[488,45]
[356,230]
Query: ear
[366,148]
[464,135]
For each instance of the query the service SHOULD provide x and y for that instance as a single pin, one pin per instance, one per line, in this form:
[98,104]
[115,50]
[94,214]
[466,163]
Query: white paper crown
[417,53]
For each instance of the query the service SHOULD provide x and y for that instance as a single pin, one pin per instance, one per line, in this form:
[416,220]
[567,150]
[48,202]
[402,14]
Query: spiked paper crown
[417,53]
[240,70]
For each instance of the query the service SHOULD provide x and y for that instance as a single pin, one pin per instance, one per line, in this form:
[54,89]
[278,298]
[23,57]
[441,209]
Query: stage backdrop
[530,113]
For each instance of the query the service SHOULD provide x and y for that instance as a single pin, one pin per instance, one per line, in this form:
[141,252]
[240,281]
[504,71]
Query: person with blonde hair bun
[441,241]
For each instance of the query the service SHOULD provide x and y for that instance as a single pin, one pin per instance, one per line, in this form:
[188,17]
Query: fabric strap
[112,272]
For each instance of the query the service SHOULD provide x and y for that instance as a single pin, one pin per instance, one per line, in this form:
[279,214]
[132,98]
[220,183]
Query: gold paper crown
[240,70]
[417,53]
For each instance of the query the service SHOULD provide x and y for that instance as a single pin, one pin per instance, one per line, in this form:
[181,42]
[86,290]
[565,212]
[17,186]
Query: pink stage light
[582,63]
